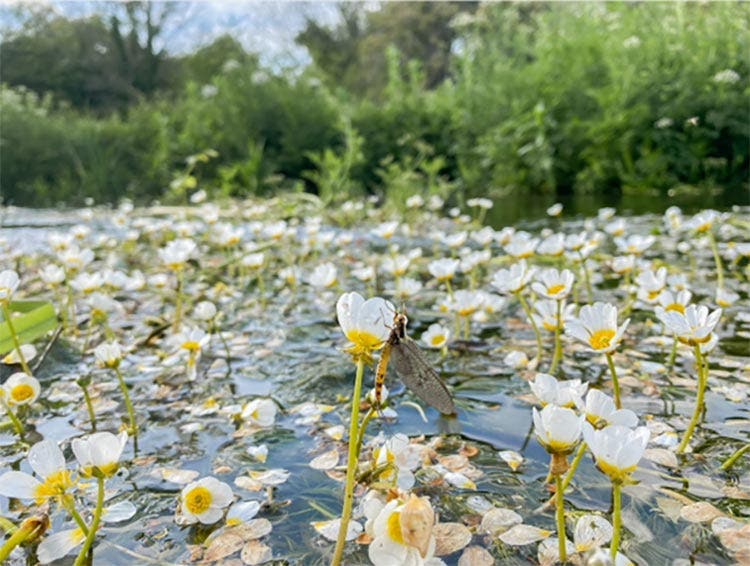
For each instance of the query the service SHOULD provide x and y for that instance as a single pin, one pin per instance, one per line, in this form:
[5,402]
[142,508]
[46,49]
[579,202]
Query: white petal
[46,458]
[18,484]
[58,545]
[120,511]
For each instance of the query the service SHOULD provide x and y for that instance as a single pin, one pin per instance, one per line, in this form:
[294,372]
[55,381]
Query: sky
[265,27]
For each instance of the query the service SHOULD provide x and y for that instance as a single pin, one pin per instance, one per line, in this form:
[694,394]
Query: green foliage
[505,99]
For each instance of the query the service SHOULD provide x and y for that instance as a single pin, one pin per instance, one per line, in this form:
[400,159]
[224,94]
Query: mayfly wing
[419,376]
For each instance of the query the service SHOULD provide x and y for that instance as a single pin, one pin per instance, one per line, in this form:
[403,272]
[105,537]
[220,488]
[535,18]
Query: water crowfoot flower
[617,451]
[596,326]
[109,355]
[204,501]
[363,324]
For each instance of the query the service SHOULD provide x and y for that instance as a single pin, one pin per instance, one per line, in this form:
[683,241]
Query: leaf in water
[325,461]
[670,507]
[259,453]
[661,456]
[497,521]
[330,529]
[700,512]
[36,318]
[450,538]
[336,432]
[476,556]
[734,535]
[524,534]
[120,511]
[228,542]
[703,486]
[256,552]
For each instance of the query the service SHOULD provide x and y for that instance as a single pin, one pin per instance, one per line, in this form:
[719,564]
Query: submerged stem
[351,465]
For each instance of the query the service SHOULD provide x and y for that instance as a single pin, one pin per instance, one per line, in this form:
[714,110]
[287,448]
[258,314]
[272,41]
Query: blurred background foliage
[456,99]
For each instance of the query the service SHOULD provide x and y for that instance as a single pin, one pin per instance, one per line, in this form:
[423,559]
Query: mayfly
[413,368]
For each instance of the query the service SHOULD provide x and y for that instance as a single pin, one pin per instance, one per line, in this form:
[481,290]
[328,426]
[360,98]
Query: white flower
[403,456]
[514,279]
[726,298]
[600,409]
[204,501]
[596,326]
[555,209]
[484,203]
[727,76]
[241,512]
[57,545]
[397,265]
[554,284]
[415,201]
[407,287]
[436,336]
[99,452]
[364,323]
[466,303]
[108,354]
[616,449]
[8,285]
[651,284]
[205,310]
[671,302]
[323,276]
[591,532]
[48,463]
[177,252]
[21,389]
[456,240]
[703,221]
[27,350]
[553,245]
[443,269]
[52,274]
[634,244]
[623,264]
[557,429]
[546,314]
[391,538]
[561,393]
[260,411]
[253,261]
[74,259]
[483,237]
[386,230]
[516,360]
[605,213]
[692,327]
[616,228]
[435,202]
[522,245]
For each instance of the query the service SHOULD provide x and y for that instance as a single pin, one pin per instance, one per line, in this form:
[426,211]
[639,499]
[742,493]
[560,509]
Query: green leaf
[36,318]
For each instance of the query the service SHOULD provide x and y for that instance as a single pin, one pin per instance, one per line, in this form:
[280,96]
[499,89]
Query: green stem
[557,356]
[616,518]
[14,336]
[615,383]
[351,465]
[67,502]
[128,404]
[586,277]
[729,462]
[538,335]
[89,406]
[178,302]
[94,523]
[363,427]
[18,537]
[560,499]
[672,355]
[449,288]
[702,378]
[13,418]
[717,259]
[574,466]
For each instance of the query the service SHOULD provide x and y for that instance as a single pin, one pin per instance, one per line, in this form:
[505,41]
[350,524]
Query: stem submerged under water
[351,465]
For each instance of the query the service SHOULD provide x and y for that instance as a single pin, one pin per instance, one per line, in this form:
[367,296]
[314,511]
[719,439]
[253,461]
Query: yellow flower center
[653,294]
[705,227]
[437,340]
[467,311]
[107,470]
[198,500]
[394,528]
[615,473]
[363,341]
[22,393]
[523,255]
[555,289]
[55,484]
[551,327]
[678,307]
[601,339]
[446,277]
[191,345]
